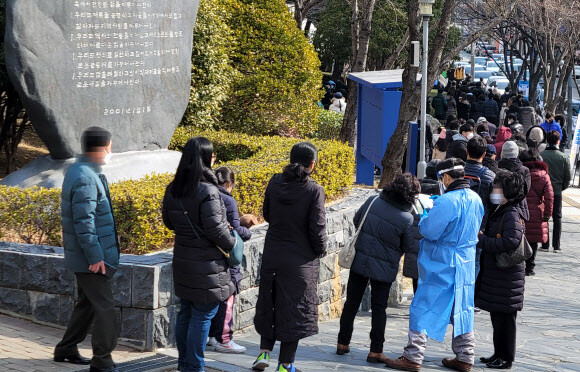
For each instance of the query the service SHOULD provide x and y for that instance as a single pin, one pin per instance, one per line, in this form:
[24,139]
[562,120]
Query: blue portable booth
[379,100]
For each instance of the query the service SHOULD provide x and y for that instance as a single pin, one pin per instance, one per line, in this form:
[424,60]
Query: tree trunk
[360,33]
[410,106]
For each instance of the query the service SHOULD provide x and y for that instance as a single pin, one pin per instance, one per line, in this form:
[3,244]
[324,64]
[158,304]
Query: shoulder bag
[522,253]
[346,255]
[236,255]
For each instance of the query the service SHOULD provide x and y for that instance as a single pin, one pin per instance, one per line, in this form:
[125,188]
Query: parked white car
[501,83]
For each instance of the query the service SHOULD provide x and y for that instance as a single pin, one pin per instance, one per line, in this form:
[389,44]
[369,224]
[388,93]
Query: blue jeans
[193,322]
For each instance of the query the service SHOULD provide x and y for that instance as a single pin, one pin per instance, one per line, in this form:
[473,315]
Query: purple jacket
[233,216]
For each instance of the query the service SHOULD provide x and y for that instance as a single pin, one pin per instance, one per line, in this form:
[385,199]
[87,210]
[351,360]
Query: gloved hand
[424,214]
[434,197]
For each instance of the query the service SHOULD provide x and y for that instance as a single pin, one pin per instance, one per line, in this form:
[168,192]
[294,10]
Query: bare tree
[362,15]
[411,97]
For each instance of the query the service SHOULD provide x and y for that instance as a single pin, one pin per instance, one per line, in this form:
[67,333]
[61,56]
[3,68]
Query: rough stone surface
[49,173]
[59,279]
[133,323]
[45,306]
[10,269]
[15,300]
[35,273]
[66,307]
[121,284]
[166,290]
[145,287]
[62,72]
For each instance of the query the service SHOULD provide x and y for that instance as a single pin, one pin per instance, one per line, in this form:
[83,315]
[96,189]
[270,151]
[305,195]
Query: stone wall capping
[143,285]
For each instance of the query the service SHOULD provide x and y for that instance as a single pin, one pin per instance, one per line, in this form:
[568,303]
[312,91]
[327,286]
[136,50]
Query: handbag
[236,255]
[346,255]
[522,253]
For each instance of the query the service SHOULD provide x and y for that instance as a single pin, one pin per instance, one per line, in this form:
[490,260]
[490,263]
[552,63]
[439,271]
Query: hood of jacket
[536,165]
[503,134]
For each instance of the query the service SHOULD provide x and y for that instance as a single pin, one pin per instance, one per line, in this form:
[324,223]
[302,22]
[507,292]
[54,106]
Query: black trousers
[415,285]
[287,349]
[95,303]
[379,301]
[531,262]
[504,335]
[557,218]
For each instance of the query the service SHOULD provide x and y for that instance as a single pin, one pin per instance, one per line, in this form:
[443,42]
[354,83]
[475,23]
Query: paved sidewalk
[548,328]
[27,346]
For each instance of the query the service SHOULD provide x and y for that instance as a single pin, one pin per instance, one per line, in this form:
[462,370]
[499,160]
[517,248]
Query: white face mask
[107,158]
[497,199]
[470,136]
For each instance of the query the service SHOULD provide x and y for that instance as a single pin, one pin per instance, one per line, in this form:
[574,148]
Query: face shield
[442,187]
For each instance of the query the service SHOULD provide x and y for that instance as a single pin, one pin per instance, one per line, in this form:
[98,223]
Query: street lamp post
[426,12]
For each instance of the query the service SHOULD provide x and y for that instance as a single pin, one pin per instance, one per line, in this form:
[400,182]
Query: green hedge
[33,215]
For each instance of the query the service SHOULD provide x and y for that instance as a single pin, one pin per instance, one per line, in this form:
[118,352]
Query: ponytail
[301,157]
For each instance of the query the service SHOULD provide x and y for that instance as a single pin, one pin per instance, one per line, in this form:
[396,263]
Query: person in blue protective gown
[446,265]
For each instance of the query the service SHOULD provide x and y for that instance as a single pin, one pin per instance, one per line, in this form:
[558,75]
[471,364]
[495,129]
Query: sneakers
[530,273]
[557,250]
[230,347]
[290,368]
[262,362]
[211,343]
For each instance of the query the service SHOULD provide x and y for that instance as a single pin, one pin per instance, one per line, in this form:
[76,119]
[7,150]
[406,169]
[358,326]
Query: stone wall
[34,283]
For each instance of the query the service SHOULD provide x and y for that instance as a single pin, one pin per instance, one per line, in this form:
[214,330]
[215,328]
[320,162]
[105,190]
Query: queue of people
[481,208]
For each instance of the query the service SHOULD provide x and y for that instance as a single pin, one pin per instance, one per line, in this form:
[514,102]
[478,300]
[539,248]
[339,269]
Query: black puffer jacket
[501,290]
[457,148]
[386,234]
[200,271]
[287,308]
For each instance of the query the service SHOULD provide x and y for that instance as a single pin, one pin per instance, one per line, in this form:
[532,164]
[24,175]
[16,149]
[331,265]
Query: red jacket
[503,134]
[540,202]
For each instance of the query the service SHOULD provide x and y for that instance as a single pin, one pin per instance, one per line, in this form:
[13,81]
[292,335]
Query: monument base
[47,172]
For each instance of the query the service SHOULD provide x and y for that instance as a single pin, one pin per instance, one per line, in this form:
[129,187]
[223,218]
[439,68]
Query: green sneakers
[262,362]
[290,368]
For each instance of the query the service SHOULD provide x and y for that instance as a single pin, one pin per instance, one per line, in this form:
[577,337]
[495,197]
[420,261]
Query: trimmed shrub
[329,124]
[33,215]
[211,71]
[280,80]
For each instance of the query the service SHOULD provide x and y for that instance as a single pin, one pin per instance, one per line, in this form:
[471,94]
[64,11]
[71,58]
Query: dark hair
[561,119]
[405,187]
[553,137]
[195,162]
[470,122]
[301,157]
[483,127]
[476,147]
[512,184]
[454,124]
[431,170]
[95,137]
[490,95]
[530,155]
[549,115]
[225,175]
[450,163]
[512,116]
[482,97]
[466,128]
[525,102]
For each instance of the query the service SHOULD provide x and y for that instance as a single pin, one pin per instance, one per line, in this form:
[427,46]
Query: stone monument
[123,65]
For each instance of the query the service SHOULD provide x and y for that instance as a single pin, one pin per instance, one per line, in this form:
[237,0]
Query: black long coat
[386,234]
[501,290]
[287,308]
[200,271]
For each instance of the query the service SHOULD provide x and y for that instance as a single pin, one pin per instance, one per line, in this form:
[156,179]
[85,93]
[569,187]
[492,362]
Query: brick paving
[27,346]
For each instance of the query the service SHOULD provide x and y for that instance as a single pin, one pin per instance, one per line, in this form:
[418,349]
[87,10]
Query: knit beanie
[510,150]
[537,134]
